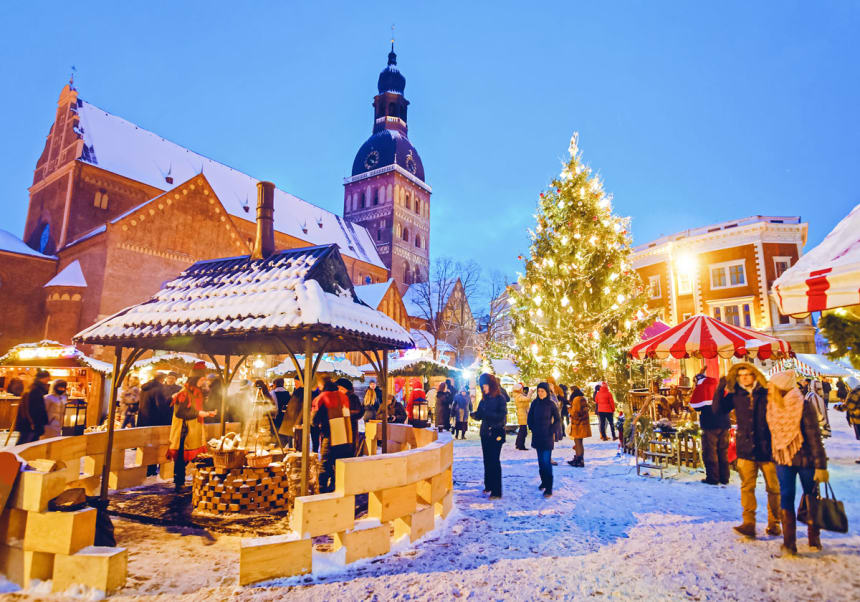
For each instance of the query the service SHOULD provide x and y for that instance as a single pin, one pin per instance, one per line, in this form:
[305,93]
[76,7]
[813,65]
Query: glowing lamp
[74,417]
[420,414]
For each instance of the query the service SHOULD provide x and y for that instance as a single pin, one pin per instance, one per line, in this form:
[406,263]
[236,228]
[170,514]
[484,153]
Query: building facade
[386,192]
[726,271]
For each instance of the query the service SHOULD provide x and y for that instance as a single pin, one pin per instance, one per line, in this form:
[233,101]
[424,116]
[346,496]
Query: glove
[821,475]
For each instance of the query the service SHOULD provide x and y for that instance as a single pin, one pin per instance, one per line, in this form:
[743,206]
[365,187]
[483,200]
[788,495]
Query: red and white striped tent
[826,277]
[707,337]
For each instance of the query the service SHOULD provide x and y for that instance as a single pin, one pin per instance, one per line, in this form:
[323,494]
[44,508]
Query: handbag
[803,507]
[830,513]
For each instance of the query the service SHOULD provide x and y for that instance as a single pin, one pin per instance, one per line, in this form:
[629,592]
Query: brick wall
[22,298]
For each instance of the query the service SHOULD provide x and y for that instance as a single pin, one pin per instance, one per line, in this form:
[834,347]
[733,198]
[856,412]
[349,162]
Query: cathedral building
[115,210]
[386,192]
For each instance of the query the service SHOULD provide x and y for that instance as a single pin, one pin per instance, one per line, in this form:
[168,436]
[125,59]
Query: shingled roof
[243,305]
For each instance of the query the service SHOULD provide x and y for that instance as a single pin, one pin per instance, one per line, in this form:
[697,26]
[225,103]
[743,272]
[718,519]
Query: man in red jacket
[715,430]
[605,410]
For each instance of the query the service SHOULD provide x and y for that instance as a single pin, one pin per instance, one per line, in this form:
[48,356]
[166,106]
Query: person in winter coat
[170,386]
[55,404]
[461,407]
[522,401]
[841,391]
[715,430]
[851,407]
[372,401]
[492,412]
[745,391]
[580,425]
[331,404]
[443,407]
[543,421]
[154,404]
[129,401]
[605,410]
[32,416]
[356,409]
[396,412]
[282,400]
[817,399]
[565,406]
[292,418]
[187,437]
[15,387]
[798,452]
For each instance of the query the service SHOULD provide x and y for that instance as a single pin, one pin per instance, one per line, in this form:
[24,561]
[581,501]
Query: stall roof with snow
[48,353]
[246,305]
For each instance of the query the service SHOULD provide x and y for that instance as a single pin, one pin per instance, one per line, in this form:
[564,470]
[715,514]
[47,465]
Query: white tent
[826,277]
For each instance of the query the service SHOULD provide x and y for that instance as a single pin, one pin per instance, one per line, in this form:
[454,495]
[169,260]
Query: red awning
[707,337]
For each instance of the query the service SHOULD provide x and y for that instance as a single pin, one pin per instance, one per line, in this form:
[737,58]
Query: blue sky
[692,114]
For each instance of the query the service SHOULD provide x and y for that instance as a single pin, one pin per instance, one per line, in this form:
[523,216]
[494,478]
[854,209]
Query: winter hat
[485,379]
[345,383]
[43,374]
[784,381]
[545,387]
[518,387]
[198,371]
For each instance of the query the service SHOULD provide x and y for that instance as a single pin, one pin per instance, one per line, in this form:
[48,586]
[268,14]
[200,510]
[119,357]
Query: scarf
[784,413]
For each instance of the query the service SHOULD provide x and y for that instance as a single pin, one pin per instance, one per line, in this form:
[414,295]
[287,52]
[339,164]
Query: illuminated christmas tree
[580,305]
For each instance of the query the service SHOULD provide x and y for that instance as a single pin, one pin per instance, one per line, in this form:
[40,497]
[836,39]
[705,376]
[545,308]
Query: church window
[406,234]
[364,200]
[408,201]
[417,205]
[418,240]
[376,196]
[44,238]
[407,273]
[379,234]
[101,200]
[392,109]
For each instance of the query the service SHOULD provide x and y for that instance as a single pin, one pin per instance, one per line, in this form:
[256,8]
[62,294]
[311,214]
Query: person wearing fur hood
[798,452]
[744,390]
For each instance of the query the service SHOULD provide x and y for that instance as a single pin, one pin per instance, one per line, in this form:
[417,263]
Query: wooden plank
[263,558]
[96,443]
[93,464]
[90,484]
[35,489]
[322,514]
[150,454]
[388,504]
[423,463]
[133,437]
[434,489]
[364,542]
[60,532]
[101,568]
[127,477]
[397,432]
[22,566]
[370,473]
[447,453]
[66,448]
[424,437]
[444,506]
[415,525]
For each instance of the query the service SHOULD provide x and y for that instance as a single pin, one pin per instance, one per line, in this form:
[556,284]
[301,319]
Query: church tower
[386,192]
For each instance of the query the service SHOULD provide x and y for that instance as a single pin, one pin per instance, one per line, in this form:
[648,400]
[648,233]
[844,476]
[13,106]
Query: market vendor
[187,438]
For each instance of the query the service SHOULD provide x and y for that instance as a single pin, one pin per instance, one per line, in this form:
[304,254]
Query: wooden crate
[263,558]
[101,568]
[391,503]
[60,532]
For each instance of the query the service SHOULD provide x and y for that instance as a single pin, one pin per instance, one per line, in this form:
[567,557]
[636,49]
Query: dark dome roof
[390,79]
[387,145]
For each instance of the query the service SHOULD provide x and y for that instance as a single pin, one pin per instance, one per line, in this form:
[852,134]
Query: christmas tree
[580,305]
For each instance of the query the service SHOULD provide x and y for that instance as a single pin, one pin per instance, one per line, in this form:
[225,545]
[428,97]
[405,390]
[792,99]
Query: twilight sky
[691,114]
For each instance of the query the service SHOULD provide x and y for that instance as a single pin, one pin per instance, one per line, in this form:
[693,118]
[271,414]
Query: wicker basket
[225,460]
[255,461]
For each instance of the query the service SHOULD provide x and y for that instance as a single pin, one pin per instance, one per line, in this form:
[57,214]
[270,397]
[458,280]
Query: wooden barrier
[406,490]
[38,544]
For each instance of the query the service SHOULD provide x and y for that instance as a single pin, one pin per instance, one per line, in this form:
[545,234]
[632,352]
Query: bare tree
[494,324]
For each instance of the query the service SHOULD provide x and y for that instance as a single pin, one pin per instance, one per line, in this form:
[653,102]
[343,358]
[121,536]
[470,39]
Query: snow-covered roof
[404,363]
[68,351]
[172,357]
[71,275]
[500,366]
[326,365]
[12,244]
[242,303]
[424,340]
[121,147]
[372,294]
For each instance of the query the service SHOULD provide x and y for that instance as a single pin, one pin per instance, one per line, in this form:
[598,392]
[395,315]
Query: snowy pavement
[605,533]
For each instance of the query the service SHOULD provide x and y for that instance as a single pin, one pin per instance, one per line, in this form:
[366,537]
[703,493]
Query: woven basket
[226,460]
[255,461]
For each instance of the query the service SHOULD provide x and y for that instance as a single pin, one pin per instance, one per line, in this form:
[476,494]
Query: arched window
[417,205]
[418,241]
[376,196]
[417,275]
[44,238]
[397,230]
[408,201]
[406,234]
[379,235]
[407,273]
[363,199]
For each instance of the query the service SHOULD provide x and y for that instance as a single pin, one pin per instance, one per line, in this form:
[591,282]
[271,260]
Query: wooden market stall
[88,378]
[666,436]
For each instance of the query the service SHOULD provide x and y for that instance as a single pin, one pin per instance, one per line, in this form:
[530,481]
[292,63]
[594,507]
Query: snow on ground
[605,533]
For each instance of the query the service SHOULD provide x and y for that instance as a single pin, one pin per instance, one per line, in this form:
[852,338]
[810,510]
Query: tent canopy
[812,364]
[326,365]
[707,337]
[826,277]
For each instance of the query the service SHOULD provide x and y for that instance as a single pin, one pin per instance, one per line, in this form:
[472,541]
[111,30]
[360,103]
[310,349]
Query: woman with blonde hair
[797,451]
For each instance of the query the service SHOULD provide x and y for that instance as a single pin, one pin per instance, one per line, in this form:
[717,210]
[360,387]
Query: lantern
[74,417]
[420,413]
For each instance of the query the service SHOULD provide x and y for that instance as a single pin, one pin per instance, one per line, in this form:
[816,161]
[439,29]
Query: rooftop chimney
[264,246]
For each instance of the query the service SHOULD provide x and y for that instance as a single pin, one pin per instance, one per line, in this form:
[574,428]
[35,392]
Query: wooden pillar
[383,376]
[306,414]
[117,377]
[224,385]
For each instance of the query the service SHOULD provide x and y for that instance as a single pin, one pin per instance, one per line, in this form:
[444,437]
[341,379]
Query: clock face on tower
[371,160]
[410,163]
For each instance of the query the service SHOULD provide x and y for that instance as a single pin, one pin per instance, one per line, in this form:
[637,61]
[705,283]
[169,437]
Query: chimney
[264,246]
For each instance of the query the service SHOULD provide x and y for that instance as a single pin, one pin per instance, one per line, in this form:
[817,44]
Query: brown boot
[746,529]
[773,530]
[789,532]
[812,529]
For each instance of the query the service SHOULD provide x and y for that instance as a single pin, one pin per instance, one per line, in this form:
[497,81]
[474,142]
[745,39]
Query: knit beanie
[485,379]
[345,383]
[198,371]
[545,387]
[784,381]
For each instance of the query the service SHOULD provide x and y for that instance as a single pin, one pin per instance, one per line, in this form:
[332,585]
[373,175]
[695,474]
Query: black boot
[580,461]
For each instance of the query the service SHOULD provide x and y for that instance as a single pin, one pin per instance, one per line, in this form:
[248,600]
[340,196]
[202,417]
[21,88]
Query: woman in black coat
[492,412]
[443,407]
[32,415]
[544,421]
